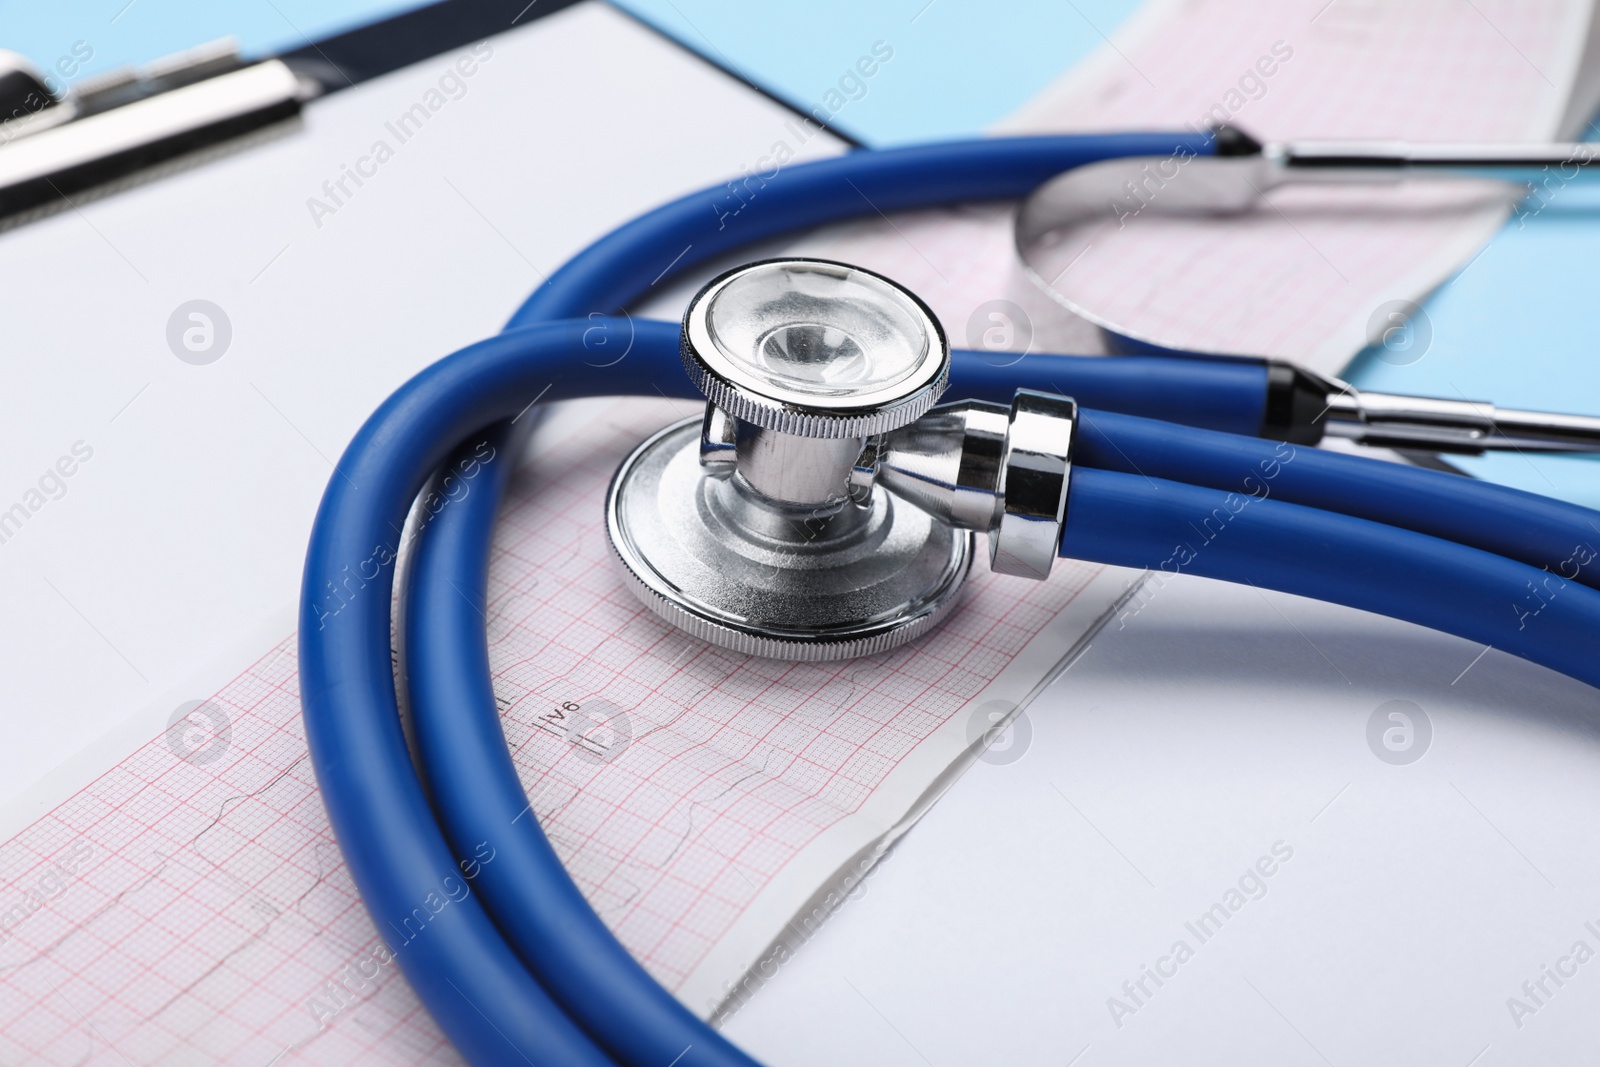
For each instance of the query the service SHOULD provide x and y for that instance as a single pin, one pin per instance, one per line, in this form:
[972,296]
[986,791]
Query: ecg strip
[195,910]
[718,768]
[183,912]
[1304,277]
[191,906]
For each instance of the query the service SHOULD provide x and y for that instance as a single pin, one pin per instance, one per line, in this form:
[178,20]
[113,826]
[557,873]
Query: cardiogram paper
[1309,276]
[190,905]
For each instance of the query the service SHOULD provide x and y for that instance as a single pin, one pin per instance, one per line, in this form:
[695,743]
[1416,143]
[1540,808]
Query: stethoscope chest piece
[822,508]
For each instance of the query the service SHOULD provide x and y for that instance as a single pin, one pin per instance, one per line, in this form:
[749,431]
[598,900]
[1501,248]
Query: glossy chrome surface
[1334,161]
[1063,213]
[812,348]
[1465,426]
[1188,184]
[709,559]
[1032,495]
[811,514]
[984,467]
[949,462]
[121,122]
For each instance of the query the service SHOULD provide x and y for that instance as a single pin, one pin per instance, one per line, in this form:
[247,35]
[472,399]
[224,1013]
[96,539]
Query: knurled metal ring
[744,397]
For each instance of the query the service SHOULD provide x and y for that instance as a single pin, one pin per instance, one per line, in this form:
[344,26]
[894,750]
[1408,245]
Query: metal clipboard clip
[113,128]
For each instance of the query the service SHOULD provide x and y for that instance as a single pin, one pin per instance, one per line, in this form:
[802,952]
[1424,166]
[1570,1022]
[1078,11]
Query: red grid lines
[181,912]
[731,766]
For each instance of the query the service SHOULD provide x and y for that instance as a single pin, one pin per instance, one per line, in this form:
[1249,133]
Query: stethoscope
[822,454]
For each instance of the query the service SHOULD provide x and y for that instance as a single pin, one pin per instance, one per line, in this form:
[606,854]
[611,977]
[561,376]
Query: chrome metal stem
[1365,161]
[984,467]
[1533,431]
[794,471]
[1388,420]
[948,462]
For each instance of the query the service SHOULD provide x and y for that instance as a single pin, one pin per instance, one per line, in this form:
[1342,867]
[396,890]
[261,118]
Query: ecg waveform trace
[1304,277]
[176,911]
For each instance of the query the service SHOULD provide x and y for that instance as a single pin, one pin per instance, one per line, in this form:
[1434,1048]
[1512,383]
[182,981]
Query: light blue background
[958,65]
[121,32]
[1516,326]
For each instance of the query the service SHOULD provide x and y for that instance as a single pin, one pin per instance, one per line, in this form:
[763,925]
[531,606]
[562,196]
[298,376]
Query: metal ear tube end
[1457,426]
[1305,408]
[980,466]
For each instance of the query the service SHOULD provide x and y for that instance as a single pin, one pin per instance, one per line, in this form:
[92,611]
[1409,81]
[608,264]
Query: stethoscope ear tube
[415,887]
[1557,539]
[517,968]
[482,807]
[1216,394]
[1172,528]
[1114,516]
[631,260]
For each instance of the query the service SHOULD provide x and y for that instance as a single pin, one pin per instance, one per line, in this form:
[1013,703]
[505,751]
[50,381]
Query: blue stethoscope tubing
[513,963]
